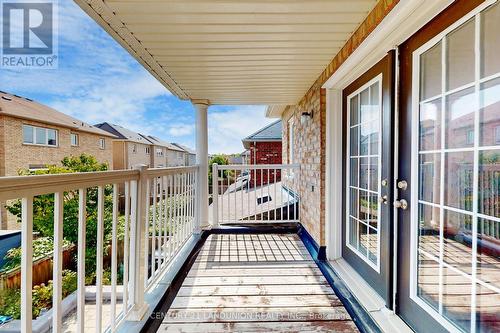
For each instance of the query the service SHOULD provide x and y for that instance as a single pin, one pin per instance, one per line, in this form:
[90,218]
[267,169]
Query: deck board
[255,283]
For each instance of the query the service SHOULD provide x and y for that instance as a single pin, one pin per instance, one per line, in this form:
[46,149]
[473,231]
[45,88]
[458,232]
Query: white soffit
[232,51]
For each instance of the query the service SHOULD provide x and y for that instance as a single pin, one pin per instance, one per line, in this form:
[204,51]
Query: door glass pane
[459,180]
[354,141]
[489,115]
[353,233]
[364,169]
[364,164]
[458,240]
[487,309]
[428,280]
[365,105]
[364,139]
[459,113]
[490,48]
[488,253]
[467,218]
[489,183]
[354,171]
[430,177]
[457,298]
[430,72]
[430,125]
[354,111]
[460,56]
[374,174]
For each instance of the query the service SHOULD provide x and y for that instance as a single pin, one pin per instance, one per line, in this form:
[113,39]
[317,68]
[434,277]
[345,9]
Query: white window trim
[375,266]
[441,37]
[46,144]
[102,143]
[77,139]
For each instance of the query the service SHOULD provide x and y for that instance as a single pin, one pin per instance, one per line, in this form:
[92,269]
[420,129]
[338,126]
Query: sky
[97,81]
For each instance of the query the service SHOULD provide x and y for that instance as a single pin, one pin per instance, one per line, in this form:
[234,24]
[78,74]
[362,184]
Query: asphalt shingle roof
[272,132]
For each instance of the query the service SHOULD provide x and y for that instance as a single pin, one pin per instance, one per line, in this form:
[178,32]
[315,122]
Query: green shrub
[10,299]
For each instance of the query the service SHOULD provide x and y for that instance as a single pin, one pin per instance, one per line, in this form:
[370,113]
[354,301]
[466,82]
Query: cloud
[181,130]
[227,128]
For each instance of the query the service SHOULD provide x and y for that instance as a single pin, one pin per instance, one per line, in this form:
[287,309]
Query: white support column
[202,161]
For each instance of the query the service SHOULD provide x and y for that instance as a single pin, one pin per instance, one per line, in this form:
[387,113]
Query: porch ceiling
[232,51]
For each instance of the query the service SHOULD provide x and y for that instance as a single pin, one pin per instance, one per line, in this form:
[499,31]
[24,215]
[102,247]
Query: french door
[367,242]
[449,157]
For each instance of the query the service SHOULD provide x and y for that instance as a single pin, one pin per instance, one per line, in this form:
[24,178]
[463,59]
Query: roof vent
[7,98]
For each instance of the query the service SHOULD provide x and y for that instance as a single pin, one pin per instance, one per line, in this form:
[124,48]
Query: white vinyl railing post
[26,263]
[215,195]
[138,260]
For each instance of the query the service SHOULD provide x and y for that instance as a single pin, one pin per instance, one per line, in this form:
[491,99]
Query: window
[147,150]
[470,137]
[159,152]
[364,172]
[497,134]
[39,136]
[74,139]
[102,143]
[134,148]
[290,141]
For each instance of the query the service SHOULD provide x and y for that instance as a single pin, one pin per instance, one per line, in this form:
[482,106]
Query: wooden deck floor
[256,283]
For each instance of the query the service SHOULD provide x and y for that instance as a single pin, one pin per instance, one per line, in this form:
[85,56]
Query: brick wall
[310,134]
[265,153]
[15,155]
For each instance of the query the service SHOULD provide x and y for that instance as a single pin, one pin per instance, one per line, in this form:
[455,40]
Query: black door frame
[381,282]
[409,311]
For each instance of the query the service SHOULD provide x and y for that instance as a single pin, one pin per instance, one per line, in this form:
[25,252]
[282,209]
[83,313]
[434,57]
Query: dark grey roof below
[271,132]
[123,133]
[185,148]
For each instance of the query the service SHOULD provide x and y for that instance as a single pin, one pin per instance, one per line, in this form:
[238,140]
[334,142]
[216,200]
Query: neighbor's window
[102,143]
[147,150]
[497,134]
[39,136]
[74,139]
[290,140]
[134,148]
[159,152]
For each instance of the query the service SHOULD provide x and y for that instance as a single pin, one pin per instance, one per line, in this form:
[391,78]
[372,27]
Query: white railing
[254,193]
[171,215]
[157,207]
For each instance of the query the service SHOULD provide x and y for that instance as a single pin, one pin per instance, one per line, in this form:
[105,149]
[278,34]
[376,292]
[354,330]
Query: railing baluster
[275,196]
[147,205]
[268,204]
[153,238]
[57,263]
[215,195]
[100,250]
[82,235]
[126,246]
[163,234]
[114,265]
[170,226]
[26,263]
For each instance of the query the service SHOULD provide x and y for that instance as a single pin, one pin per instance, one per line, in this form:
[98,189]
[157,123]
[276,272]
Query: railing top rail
[257,166]
[152,172]
[20,186]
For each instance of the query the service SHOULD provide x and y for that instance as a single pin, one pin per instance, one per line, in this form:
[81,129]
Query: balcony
[170,272]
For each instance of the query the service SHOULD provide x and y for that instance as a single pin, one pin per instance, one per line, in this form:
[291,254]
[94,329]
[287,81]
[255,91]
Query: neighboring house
[170,154]
[130,148]
[33,135]
[246,156]
[264,147]
[189,154]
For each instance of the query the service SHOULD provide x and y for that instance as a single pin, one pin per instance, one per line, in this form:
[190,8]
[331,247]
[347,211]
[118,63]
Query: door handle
[403,204]
[383,199]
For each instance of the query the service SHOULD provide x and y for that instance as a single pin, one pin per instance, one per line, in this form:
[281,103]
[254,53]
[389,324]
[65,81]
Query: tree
[43,207]
[220,159]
